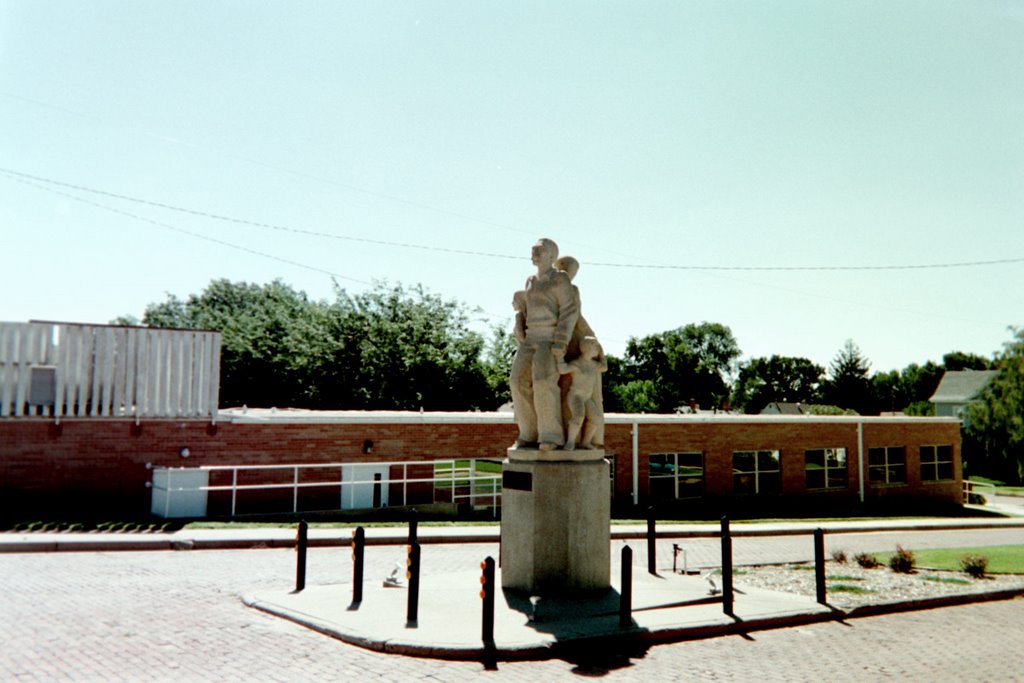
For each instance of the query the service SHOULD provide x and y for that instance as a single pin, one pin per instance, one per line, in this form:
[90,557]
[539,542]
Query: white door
[363,486]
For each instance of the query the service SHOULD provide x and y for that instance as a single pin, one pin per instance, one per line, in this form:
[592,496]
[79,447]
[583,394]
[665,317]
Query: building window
[756,472]
[887,465]
[825,468]
[936,463]
[676,475]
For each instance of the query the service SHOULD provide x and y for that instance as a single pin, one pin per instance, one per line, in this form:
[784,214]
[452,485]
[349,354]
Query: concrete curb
[48,542]
[636,636]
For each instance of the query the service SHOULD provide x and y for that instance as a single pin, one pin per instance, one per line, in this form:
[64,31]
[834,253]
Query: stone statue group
[556,373]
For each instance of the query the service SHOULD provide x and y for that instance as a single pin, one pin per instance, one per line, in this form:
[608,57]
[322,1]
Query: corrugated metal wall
[107,371]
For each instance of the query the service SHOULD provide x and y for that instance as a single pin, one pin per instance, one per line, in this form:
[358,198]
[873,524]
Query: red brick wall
[718,441]
[102,463]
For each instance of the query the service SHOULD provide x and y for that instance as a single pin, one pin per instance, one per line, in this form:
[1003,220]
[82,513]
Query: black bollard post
[819,565]
[652,562]
[413,526]
[358,545]
[412,608]
[487,595]
[726,568]
[626,596]
[301,543]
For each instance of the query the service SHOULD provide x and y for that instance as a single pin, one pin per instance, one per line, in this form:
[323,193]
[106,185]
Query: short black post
[413,526]
[358,545]
[487,595]
[652,561]
[726,568]
[301,543]
[819,565]
[412,609]
[626,595]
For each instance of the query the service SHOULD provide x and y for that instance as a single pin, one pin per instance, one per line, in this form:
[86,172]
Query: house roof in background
[961,386]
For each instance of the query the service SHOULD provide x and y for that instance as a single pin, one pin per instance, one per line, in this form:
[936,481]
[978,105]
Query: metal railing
[461,483]
[969,487]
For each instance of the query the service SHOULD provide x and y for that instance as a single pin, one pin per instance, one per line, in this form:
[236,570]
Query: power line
[24,177]
[282,169]
[241,221]
[168,226]
[183,231]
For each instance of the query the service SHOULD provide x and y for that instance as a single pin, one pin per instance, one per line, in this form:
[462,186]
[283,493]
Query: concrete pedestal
[555,522]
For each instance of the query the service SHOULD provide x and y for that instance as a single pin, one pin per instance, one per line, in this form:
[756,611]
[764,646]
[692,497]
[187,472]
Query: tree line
[398,348]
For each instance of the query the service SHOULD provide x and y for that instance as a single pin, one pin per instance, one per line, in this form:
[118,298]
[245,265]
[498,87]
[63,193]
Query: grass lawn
[1002,559]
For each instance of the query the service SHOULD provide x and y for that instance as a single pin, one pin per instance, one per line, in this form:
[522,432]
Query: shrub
[840,556]
[866,560]
[902,561]
[974,566]
[976,499]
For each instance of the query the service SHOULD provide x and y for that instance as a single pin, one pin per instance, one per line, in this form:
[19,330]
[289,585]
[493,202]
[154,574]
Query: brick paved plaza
[177,616]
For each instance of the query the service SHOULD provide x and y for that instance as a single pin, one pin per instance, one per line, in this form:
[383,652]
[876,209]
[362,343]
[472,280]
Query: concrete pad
[666,608]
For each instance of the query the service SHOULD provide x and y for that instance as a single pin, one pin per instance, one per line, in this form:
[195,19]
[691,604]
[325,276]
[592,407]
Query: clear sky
[661,137]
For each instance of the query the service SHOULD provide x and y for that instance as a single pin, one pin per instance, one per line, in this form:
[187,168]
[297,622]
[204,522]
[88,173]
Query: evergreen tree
[848,385]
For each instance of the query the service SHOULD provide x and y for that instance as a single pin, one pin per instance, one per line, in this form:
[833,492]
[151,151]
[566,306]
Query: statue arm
[568,310]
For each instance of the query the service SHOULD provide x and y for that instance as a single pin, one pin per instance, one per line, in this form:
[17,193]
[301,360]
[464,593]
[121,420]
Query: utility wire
[241,221]
[25,177]
[183,231]
[476,311]
[282,169]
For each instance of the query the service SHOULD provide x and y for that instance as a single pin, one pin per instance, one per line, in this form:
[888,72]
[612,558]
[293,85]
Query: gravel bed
[850,585]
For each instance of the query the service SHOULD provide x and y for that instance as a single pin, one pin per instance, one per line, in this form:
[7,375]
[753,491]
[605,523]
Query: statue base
[555,521]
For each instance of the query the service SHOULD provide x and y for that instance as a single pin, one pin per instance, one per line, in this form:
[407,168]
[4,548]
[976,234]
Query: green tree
[637,396]
[497,364]
[779,378]
[267,334]
[996,422]
[661,372]
[403,349]
[957,360]
[387,348]
[847,385]
[918,384]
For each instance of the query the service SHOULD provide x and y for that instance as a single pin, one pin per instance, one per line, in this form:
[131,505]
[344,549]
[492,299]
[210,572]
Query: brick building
[92,416]
[689,464]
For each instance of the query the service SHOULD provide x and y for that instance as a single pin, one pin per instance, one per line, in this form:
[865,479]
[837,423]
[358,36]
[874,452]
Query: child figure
[586,377]
[519,305]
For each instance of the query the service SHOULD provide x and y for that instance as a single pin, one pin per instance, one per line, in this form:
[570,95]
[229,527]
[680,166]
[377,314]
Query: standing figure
[551,311]
[583,329]
[586,380]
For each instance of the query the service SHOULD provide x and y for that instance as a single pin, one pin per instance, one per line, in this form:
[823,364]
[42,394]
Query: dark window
[936,463]
[756,472]
[825,468]
[887,465]
[676,475]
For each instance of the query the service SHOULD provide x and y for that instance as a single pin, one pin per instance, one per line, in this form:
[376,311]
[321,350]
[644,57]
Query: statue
[582,330]
[555,342]
[586,381]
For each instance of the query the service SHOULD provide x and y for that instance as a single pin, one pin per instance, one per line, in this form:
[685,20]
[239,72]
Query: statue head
[519,301]
[545,251]
[590,347]
[570,265]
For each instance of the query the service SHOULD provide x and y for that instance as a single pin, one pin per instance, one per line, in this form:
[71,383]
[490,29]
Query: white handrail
[485,486]
[969,486]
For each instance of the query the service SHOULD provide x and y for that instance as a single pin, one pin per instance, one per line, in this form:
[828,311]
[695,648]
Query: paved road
[176,616]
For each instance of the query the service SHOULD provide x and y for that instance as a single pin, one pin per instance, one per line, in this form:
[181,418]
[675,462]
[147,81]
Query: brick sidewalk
[176,616]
